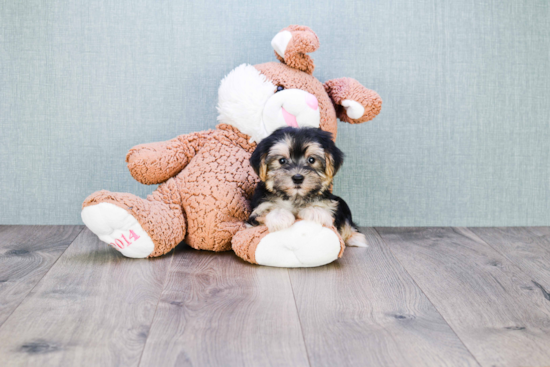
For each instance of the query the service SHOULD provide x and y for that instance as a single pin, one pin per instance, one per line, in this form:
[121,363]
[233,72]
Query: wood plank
[217,310]
[488,301]
[528,248]
[26,254]
[365,310]
[93,308]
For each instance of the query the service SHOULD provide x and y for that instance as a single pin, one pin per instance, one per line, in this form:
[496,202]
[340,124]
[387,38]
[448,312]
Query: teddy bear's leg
[134,226]
[304,244]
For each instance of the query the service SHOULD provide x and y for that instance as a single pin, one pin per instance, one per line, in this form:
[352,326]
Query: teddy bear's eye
[311,160]
[279,88]
[282,161]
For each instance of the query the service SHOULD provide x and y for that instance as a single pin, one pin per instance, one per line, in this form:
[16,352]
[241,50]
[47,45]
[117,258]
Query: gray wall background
[463,137]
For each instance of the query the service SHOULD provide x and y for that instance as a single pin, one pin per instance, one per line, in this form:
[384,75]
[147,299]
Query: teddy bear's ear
[291,45]
[353,102]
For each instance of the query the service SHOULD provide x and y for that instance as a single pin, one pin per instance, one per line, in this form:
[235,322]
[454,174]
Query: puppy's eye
[282,161]
[311,160]
[279,88]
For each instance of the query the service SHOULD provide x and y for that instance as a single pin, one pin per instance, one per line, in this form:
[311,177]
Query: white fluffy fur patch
[317,214]
[241,99]
[279,219]
[357,239]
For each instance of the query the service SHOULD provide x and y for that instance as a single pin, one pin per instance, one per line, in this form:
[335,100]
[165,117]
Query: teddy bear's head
[259,99]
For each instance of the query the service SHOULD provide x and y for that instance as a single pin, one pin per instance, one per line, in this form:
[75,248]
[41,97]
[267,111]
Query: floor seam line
[46,273]
[519,267]
[427,297]
[298,315]
[157,306]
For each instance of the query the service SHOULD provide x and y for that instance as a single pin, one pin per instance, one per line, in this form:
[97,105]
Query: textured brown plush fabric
[205,178]
[246,242]
[154,163]
[348,88]
[281,74]
[160,215]
[303,41]
[208,198]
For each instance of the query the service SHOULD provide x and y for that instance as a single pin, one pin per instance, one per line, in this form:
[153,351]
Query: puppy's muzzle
[298,179]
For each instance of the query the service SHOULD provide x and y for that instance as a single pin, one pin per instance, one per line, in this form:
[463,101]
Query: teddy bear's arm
[154,163]
[354,103]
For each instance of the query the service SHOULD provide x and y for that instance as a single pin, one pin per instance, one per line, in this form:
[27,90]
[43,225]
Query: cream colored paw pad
[118,228]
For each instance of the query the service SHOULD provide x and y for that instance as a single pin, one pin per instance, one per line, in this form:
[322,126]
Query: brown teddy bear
[205,177]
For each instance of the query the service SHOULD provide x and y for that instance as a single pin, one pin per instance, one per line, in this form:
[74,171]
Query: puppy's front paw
[279,219]
[317,215]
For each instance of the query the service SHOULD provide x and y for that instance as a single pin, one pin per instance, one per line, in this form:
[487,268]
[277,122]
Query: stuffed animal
[205,178]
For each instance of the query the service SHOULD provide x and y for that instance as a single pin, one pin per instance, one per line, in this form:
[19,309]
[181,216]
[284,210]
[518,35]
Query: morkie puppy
[296,168]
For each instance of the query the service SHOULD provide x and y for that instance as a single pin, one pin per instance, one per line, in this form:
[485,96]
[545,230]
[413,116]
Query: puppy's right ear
[257,160]
[334,158]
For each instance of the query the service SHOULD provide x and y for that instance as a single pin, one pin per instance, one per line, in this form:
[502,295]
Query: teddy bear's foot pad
[304,244]
[118,228]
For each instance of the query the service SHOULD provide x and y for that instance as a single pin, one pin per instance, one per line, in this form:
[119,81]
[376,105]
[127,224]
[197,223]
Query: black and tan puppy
[296,168]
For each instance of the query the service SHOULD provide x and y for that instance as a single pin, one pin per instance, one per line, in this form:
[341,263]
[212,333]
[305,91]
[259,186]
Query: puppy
[296,168]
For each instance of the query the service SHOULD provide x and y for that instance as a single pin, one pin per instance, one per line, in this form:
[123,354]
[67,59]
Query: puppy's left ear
[334,158]
[353,102]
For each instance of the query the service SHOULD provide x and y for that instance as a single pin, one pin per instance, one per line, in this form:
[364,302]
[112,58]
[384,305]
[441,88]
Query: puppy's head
[297,162]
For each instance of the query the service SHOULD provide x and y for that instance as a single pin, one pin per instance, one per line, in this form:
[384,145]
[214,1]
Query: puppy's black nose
[298,179]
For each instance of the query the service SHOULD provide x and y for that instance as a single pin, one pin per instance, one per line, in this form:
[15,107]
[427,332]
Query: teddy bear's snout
[291,107]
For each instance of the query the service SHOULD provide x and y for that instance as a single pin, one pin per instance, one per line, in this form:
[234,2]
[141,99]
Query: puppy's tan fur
[283,199]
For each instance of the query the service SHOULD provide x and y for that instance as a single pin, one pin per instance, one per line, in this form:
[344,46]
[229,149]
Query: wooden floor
[415,297]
